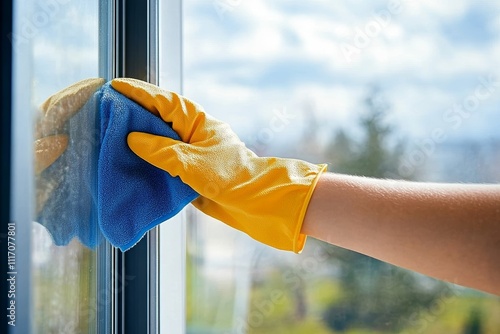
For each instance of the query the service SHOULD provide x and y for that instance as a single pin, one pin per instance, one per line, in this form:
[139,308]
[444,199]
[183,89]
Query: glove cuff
[300,239]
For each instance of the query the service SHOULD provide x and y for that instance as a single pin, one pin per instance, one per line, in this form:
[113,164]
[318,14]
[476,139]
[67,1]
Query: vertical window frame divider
[153,236]
[172,234]
[134,273]
[105,256]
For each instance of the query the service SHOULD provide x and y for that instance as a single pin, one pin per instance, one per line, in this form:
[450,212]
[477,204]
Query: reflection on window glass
[404,90]
[64,43]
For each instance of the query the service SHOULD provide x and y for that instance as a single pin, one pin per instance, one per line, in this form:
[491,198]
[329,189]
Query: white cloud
[441,9]
[410,57]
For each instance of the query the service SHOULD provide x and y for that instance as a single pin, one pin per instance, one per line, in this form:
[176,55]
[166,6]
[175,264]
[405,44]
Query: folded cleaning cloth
[105,188]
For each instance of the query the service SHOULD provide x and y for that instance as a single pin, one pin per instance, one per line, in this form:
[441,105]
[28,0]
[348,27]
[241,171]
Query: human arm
[447,231]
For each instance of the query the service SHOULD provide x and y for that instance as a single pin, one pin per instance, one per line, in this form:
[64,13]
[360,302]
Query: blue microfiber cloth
[134,196]
[102,187]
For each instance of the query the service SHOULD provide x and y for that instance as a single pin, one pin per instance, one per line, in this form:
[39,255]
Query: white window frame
[172,234]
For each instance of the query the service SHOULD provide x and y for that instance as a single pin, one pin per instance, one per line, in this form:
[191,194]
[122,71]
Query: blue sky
[245,58]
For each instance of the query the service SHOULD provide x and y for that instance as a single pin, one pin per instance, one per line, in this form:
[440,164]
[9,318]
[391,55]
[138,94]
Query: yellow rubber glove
[265,197]
[50,138]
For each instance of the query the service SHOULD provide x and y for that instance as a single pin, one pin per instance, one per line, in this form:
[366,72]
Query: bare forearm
[448,231]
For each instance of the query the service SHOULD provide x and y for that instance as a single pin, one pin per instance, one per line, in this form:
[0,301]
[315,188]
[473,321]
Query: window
[55,44]
[64,283]
[385,89]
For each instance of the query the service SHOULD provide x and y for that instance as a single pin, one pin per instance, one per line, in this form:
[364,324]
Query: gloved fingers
[47,150]
[143,93]
[60,107]
[161,152]
[186,117]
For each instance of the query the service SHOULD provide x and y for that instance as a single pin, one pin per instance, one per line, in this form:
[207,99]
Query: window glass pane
[63,37]
[402,89]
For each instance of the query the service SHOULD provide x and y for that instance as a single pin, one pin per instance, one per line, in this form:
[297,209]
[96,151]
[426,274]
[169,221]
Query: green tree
[376,153]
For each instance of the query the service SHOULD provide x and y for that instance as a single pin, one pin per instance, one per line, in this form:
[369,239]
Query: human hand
[51,139]
[265,197]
